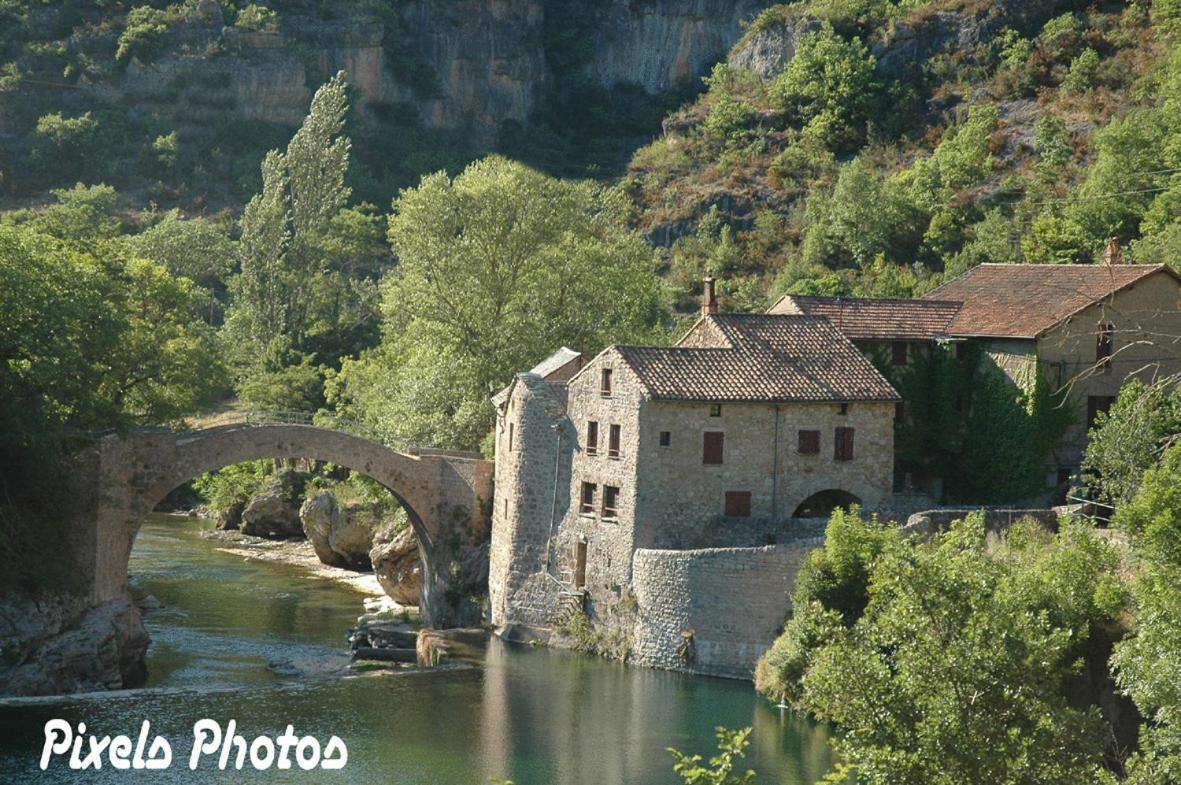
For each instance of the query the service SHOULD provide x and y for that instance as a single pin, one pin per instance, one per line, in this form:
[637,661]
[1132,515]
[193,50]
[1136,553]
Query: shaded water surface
[534,716]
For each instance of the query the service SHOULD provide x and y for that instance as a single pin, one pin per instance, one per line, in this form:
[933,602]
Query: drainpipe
[775,471]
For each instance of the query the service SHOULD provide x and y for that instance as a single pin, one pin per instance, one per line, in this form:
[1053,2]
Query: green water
[534,716]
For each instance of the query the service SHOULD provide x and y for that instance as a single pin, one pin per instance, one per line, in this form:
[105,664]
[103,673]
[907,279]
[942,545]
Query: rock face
[336,537]
[62,645]
[396,565]
[768,50]
[273,512]
[230,519]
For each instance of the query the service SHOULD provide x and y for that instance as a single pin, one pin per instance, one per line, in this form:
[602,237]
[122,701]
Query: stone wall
[733,600]
[940,520]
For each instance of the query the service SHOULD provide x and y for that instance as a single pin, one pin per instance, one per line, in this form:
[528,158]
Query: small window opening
[610,501]
[605,382]
[592,437]
[666,438]
[613,442]
[899,353]
[715,410]
[588,499]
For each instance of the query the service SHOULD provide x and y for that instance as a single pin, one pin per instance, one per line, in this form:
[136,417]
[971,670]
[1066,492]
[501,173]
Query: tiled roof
[1025,300]
[768,358]
[864,318]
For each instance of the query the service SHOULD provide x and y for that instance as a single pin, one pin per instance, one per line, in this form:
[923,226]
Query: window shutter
[809,443]
[737,504]
[843,444]
[592,437]
[713,448]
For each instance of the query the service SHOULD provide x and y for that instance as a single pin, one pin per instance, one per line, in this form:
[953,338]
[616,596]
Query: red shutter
[737,504]
[713,448]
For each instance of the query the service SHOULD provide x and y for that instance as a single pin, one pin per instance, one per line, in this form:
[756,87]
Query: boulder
[230,519]
[338,539]
[396,565]
[273,512]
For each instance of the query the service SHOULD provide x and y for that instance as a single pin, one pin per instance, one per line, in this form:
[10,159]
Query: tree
[1129,439]
[190,248]
[1147,665]
[828,85]
[958,669]
[298,301]
[498,267]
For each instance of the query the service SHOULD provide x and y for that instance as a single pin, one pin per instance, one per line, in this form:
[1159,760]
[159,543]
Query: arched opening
[822,504]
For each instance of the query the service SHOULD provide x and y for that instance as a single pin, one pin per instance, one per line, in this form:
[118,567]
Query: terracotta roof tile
[1025,300]
[864,318]
[768,358]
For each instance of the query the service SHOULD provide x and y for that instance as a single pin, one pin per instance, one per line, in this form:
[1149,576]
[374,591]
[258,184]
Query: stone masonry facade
[608,488]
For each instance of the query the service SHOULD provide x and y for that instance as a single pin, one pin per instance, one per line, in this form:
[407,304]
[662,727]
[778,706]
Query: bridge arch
[446,495]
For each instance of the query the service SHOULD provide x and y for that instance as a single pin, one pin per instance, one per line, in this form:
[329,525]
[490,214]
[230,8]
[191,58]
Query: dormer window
[605,383]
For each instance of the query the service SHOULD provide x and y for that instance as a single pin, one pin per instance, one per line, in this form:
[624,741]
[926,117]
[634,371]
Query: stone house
[750,420]
[1084,328]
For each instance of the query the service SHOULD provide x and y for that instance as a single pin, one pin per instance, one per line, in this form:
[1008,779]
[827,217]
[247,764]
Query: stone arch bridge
[447,495]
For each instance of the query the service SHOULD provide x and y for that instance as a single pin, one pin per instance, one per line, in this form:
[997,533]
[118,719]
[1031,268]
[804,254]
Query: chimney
[709,299]
[1112,254]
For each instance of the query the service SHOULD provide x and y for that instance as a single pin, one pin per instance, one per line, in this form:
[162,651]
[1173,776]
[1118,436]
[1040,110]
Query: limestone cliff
[468,65]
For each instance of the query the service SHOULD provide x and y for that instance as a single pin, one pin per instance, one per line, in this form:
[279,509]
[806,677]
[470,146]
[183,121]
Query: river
[534,716]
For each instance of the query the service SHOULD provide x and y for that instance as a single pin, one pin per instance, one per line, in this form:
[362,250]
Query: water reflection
[531,715]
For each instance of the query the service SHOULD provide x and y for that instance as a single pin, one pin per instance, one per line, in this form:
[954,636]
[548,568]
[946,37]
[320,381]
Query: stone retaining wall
[734,600]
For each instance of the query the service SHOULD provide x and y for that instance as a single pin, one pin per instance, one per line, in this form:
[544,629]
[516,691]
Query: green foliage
[828,85]
[1083,74]
[257,17]
[1129,439]
[964,648]
[65,144]
[191,248]
[303,298]
[234,484]
[143,37]
[831,593]
[498,267]
[1146,665]
[732,746]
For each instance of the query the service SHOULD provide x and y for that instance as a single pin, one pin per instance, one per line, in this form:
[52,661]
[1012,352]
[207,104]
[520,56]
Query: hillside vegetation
[906,141]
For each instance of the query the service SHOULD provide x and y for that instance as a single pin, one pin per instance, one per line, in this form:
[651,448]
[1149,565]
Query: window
[715,410]
[809,443]
[843,409]
[713,447]
[737,504]
[592,437]
[1096,404]
[843,444]
[613,442]
[1104,339]
[610,501]
[666,438]
[900,410]
[588,499]
[898,353]
[605,382]
[510,437]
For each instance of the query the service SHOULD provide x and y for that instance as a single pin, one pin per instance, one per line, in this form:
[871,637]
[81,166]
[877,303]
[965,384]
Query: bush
[1083,73]
[257,17]
[143,38]
[65,144]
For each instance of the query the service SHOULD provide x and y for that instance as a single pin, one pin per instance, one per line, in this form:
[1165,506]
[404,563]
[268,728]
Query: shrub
[143,38]
[64,144]
[1083,73]
[257,17]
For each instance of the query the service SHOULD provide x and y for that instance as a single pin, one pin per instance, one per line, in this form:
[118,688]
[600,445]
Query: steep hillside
[178,101]
[869,146]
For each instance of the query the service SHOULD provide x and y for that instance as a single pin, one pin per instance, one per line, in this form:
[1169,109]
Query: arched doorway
[822,504]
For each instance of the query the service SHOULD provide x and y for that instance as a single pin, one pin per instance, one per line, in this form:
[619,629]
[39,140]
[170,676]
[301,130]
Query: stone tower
[534,444]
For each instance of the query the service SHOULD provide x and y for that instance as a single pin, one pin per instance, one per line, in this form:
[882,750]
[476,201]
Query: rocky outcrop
[767,50]
[274,512]
[230,519]
[906,45]
[62,645]
[397,567]
[336,536]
